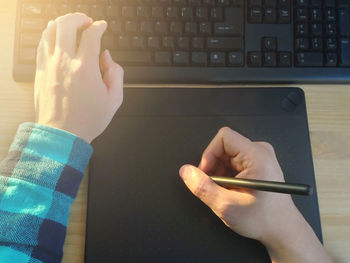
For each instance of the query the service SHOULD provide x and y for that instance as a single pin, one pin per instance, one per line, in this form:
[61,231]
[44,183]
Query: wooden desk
[329,119]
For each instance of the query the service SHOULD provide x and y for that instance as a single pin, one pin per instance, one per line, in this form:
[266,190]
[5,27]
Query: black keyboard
[206,41]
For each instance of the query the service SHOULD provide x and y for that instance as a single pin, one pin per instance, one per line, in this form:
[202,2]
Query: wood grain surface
[329,121]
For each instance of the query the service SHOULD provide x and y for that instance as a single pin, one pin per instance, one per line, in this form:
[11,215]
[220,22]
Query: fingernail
[184,171]
[108,54]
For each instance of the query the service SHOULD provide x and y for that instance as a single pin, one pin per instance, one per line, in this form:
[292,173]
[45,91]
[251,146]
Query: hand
[70,93]
[271,218]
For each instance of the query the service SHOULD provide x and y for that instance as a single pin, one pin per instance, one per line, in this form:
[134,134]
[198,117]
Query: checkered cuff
[39,180]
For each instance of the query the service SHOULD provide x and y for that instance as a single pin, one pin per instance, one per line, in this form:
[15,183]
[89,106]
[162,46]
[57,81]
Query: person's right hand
[271,218]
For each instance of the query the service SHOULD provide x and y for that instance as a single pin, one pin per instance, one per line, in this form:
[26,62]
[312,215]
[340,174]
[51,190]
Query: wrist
[296,242]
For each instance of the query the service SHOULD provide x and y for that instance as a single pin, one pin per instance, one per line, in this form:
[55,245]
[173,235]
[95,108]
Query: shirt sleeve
[39,180]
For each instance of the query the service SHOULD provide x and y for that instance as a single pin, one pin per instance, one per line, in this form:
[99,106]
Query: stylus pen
[269,186]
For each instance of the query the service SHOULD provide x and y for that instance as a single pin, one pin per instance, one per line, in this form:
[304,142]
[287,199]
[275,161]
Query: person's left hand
[70,93]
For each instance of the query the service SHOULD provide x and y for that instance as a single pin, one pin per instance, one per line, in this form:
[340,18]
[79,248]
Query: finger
[226,144]
[48,38]
[113,77]
[90,43]
[203,187]
[47,43]
[67,28]
[222,169]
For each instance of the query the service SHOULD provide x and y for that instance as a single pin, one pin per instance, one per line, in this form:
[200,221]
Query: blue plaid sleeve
[39,180]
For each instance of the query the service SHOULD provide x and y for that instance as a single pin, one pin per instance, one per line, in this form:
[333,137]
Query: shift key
[132,57]
[233,24]
[225,43]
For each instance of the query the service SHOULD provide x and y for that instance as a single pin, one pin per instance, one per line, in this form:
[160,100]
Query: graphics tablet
[139,209]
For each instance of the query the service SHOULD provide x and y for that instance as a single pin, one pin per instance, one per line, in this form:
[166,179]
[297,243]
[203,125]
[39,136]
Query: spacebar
[132,57]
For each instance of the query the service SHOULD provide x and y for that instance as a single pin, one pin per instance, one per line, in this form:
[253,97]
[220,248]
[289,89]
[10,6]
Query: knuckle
[268,146]
[225,210]
[200,188]
[118,69]
[225,130]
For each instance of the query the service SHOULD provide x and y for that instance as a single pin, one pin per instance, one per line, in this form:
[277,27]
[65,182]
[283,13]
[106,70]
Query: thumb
[202,186]
[113,76]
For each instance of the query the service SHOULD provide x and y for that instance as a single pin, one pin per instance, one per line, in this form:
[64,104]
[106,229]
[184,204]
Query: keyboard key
[205,28]
[331,29]
[176,28]
[116,26]
[168,42]
[199,58]
[344,52]
[217,59]
[331,44]
[225,43]
[153,42]
[223,2]
[330,15]
[143,12]
[97,12]
[302,3]
[309,59]
[233,24]
[284,59]
[172,12]
[131,27]
[255,3]
[132,57]
[202,13]
[113,11]
[162,58]
[316,29]
[316,14]
[302,14]
[270,59]
[331,60]
[32,9]
[108,41]
[284,15]
[344,22]
[254,59]
[157,12]
[316,44]
[302,29]
[255,15]
[161,27]
[181,58]
[123,42]
[137,42]
[270,15]
[316,3]
[128,12]
[198,43]
[191,28]
[147,27]
[329,3]
[186,13]
[236,59]
[183,43]
[33,24]
[217,14]
[30,39]
[269,44]
[27,55]
[271,3]
[302,44]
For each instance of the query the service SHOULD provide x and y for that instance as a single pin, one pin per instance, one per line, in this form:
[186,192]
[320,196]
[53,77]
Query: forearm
[39,180]
[298,244]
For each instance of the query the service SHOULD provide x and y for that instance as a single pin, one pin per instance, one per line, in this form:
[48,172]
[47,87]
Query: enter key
[233,24]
